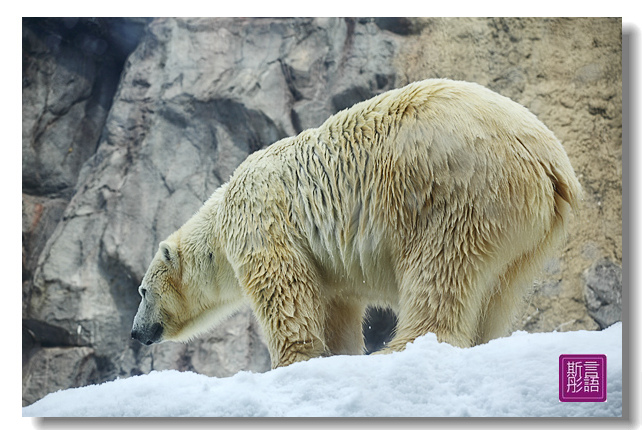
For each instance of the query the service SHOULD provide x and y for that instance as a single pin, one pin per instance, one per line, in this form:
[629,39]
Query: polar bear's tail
[516,281]
[568,191]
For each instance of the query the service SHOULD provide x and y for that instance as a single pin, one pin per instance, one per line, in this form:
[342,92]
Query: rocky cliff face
[129,125]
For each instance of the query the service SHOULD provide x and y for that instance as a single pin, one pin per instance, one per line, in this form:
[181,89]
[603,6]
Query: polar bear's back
[435,149]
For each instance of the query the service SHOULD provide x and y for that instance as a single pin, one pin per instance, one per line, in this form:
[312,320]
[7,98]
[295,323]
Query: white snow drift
[509,377]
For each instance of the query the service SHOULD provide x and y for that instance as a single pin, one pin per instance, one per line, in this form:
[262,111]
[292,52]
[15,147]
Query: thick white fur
[439,199]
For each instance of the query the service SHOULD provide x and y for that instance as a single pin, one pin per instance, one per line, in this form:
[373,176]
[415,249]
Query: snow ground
[515,376]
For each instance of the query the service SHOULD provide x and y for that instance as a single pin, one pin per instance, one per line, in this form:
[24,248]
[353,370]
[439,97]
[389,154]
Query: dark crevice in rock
[36,332]
[289,80]
[82,60]
[39,334]
[349,97]
[246,126]
[399,25]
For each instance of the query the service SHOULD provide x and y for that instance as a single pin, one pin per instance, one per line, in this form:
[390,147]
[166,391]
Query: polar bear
[439,200]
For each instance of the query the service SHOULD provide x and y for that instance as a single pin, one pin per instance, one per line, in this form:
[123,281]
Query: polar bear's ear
[168,253]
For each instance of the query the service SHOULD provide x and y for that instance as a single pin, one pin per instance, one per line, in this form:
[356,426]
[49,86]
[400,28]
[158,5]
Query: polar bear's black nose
[148,335]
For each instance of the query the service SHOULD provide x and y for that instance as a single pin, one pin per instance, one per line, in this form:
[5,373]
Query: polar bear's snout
[147,328]
[148,334]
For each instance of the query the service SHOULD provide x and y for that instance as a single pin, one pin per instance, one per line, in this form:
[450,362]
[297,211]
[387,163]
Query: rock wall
[130,124]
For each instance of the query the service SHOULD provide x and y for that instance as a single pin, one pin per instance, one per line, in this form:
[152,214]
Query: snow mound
[515,376]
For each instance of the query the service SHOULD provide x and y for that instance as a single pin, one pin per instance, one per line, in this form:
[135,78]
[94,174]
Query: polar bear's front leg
[284,294]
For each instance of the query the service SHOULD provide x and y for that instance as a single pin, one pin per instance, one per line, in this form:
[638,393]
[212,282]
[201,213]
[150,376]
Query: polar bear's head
[188,287]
